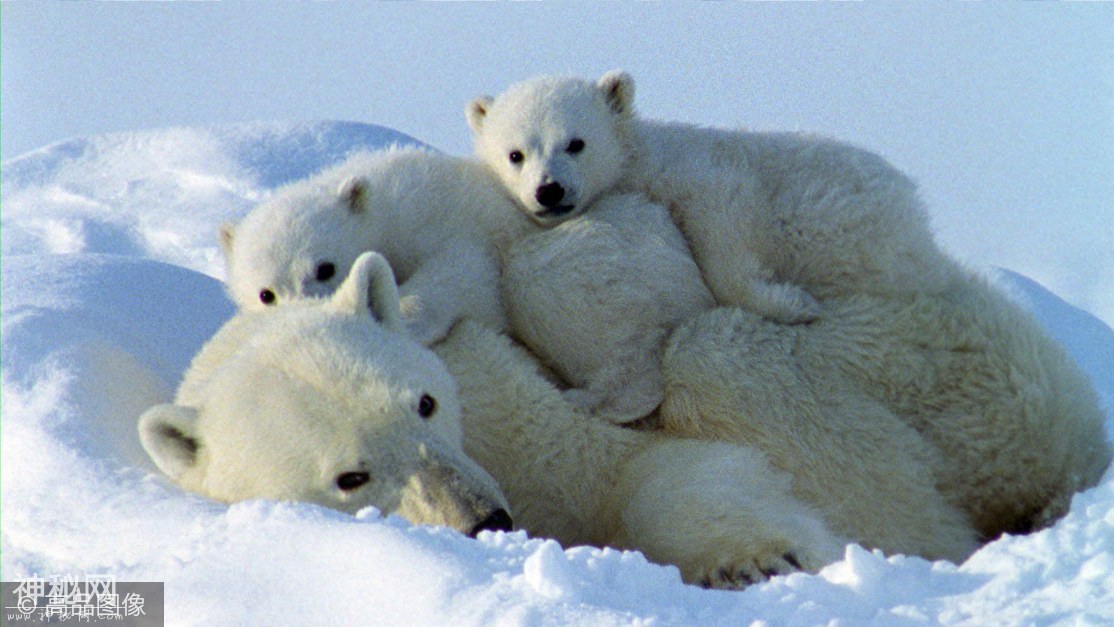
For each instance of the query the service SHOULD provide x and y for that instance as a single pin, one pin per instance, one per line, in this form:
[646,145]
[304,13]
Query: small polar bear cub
[775,221]
[597,296]
[428,214]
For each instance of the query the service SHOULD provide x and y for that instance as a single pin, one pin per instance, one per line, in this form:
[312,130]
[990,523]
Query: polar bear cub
[428,214]
[774,221]
[593,300]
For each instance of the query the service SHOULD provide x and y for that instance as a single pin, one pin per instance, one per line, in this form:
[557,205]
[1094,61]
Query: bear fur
[775,221]
[909,343]
[597,295]
[965,381]
[427,213]
[325,400]
[594,300]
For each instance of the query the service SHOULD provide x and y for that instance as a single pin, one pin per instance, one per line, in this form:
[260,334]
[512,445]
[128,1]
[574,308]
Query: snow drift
[110,285]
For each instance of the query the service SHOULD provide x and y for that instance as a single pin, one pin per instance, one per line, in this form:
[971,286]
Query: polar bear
[905,331]
[427,213]
[593,299]
[1015,425]
[777,222]
[329,400]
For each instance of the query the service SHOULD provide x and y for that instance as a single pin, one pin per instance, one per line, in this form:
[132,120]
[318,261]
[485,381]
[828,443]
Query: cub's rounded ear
[352,194]
[226,234]
[371,287]
[169,435]
[618,91]
[476,111]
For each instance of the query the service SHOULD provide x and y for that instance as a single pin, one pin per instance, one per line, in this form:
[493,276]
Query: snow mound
[107,285]
[163,193]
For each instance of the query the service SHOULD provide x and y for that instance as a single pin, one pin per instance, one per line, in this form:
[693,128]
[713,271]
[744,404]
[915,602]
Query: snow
[110,284]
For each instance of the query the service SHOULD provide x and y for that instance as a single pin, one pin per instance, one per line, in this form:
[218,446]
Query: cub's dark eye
[516,156]
[349,481]
[267,297]
[325,271]
[575,146]
[426,406]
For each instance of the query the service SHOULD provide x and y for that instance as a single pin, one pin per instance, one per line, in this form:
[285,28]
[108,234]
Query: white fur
[597,295]
[281,404]
[776,222]
[445,225]
[963,386]
[811,451]
[426,213]
[909,356]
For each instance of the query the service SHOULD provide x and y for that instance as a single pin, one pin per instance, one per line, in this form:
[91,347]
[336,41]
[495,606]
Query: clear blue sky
[1003,112]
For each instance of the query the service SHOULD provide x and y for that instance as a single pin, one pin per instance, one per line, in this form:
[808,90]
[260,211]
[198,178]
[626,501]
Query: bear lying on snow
[797,228]
[331,401]
[920,412]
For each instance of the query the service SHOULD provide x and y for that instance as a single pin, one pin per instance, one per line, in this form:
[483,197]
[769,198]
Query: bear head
[329,401]
[301,242]
[555,143]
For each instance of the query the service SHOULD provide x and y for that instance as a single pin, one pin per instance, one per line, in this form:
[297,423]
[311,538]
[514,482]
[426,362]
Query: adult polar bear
[789,227]
[329,400]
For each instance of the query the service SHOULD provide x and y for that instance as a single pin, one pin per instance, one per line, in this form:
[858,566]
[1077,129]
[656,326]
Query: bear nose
[499,520]
[549,195]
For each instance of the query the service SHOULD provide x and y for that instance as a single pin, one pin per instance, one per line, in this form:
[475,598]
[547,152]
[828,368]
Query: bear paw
[736,576]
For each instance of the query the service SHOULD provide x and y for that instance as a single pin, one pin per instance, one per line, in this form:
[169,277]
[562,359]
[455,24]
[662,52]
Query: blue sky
[1003,112]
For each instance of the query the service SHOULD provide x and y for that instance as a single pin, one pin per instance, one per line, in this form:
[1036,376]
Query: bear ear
[618,91]
[169,435]
[371,287]
[226,234]
[352,193]
[476,111]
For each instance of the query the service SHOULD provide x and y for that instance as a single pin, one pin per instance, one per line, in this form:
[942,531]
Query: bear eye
[426,406]
[575,146]
[267,297]
[325,271]
[349,481]
[516,156]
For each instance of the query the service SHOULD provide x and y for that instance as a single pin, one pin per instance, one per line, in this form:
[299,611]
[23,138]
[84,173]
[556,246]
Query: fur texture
[330,401]
[776,222]
[428,214]
[907,351]
[593,299]
[597,295]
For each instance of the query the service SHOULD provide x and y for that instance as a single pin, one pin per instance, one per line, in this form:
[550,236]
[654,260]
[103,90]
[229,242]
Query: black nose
[549,195]
[499,520]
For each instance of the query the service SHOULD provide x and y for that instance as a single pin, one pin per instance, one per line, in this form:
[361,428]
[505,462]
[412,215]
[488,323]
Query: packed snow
[110,285]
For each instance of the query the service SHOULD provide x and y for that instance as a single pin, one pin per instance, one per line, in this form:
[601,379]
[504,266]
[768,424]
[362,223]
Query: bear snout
[498,520]
[550,195]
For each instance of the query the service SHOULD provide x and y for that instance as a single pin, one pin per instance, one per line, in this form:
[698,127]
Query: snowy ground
[110,284]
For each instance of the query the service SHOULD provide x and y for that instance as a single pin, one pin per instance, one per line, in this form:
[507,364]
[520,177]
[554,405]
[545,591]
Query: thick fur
[776,222]
[594,300]
[284,404]
[907,353]
[428,214]
[597,295]
[963,385]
